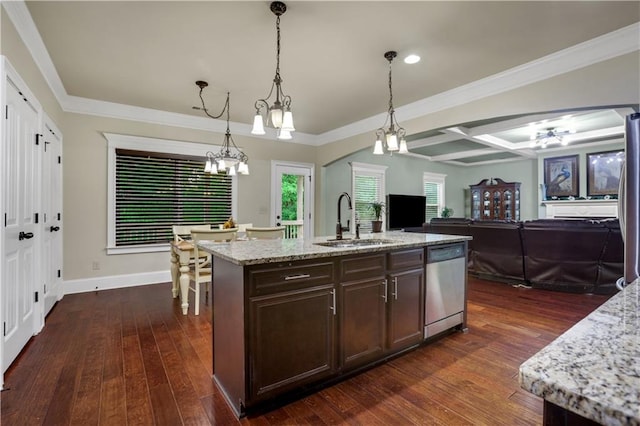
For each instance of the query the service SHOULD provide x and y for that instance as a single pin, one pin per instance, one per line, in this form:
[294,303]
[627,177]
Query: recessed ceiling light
[412,59]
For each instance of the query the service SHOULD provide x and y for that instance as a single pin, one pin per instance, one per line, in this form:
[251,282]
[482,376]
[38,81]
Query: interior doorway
[292,198]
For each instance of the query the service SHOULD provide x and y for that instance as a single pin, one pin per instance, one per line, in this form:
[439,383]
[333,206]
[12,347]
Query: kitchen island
[592,371]
[292,315]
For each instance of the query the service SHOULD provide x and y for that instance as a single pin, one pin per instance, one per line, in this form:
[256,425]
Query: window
[152,188]
[368,186]
[433,184]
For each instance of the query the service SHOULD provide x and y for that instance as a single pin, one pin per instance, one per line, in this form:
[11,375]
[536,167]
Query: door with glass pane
[292,188]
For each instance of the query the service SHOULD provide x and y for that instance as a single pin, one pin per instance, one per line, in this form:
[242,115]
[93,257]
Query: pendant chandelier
[229,159]
[279,114]
[394,133]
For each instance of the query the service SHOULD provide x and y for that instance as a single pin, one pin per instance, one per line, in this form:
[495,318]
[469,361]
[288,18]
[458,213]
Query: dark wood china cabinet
[495,199]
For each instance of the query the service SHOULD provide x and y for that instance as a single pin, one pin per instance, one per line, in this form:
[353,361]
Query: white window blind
[154,191]
[368,186]
[433,185]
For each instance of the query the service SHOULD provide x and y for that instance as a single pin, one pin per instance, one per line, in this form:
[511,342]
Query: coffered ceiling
[147,55]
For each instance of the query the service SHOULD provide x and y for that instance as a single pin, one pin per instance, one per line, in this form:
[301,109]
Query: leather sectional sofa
[578,256]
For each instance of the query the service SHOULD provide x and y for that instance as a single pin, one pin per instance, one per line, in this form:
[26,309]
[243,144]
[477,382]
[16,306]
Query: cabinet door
[292,339]
[362,321]
[406,309]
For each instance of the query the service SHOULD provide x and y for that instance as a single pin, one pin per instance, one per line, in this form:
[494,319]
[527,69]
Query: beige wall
[85,151]
[612,82]
[85,189]
[85,173]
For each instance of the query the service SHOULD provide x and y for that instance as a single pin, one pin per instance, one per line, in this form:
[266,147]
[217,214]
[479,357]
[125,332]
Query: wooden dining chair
[181,231]
[269,233]
[202,272]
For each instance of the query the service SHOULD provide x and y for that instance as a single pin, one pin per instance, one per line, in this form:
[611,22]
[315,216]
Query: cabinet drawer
[289,276]
[362,267]
[404,259]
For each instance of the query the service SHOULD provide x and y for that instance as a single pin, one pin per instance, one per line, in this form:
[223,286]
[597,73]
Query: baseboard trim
[115,281]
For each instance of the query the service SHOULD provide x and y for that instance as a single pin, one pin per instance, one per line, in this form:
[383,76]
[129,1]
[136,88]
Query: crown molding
[607,46]
[153,116]
[26,28]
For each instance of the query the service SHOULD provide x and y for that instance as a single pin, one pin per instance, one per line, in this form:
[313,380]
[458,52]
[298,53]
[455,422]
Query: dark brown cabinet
[405,282]
[292,333]
[363,310]
[381,310]
[495,199]
[291,325]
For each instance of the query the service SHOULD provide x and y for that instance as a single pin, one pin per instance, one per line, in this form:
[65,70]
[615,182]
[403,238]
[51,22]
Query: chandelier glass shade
[229,159]
[552,135]
[278,114]
[391,137]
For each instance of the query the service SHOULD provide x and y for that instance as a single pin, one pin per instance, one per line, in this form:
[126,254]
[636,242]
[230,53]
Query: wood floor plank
[129,356]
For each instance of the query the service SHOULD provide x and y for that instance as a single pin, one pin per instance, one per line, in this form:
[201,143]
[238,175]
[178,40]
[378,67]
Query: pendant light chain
[393,138]
[230,159]
[278,114]
[278,48]
[390,91]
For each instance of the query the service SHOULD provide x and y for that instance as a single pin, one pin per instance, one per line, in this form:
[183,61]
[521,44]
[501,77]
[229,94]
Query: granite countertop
[269,251]
[594,368]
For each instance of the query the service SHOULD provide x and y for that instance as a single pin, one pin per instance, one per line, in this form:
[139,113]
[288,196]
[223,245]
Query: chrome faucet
[339,227]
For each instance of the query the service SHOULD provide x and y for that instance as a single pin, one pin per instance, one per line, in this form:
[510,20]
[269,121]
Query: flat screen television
[405,211]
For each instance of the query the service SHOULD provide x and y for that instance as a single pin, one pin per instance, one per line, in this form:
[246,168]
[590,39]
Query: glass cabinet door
[497,205]
[508,204]
[475,205]
[486,205]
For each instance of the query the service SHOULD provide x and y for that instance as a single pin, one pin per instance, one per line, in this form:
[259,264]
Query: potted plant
[378,209]
[446,212]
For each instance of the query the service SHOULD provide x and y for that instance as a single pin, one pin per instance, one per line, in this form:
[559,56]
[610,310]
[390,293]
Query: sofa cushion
[497,250]
[563,254]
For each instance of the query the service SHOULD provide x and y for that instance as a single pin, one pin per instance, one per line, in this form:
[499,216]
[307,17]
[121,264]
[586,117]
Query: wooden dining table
[181,254]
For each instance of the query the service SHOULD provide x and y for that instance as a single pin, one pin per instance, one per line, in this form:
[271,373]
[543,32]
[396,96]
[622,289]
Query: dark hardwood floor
[129,357]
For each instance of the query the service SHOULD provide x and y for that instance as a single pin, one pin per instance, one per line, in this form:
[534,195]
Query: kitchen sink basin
[346,243]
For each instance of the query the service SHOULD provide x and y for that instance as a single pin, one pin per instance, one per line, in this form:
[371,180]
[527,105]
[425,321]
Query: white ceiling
[149,54]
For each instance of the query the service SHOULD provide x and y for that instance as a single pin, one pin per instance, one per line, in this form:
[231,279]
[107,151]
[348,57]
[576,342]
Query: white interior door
[292,198]
[20,189]
[51,216]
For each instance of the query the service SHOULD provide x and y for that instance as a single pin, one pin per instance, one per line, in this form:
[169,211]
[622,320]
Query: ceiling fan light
[403,146]
[377,150]
[258,125]
[287,122]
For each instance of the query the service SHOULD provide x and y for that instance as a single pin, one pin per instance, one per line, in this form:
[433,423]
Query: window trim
[370,170]
[141,143]
[439,179]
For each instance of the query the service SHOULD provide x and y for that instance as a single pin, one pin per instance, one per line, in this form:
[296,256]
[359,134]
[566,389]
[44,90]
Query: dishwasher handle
[443,253]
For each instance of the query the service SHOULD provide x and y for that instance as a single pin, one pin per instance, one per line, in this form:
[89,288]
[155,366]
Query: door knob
[25,235]
[54,229]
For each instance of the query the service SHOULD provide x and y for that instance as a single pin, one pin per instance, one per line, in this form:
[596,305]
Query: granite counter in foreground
[255,252]
[593,369]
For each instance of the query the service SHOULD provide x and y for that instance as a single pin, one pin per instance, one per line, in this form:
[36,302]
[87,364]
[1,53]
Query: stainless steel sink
[346,243]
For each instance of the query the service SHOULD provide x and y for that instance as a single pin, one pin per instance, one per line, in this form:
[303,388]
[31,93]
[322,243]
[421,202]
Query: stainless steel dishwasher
[446,287]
